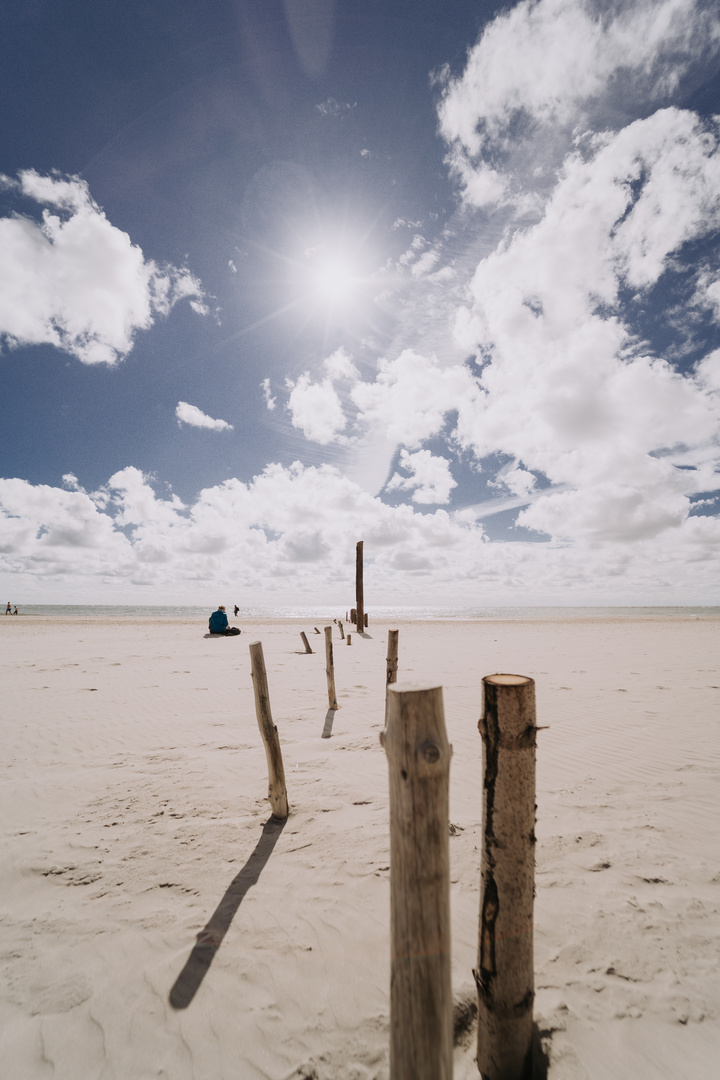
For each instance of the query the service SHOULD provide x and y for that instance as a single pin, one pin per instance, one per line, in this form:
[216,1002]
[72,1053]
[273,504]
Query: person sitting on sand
[218,623]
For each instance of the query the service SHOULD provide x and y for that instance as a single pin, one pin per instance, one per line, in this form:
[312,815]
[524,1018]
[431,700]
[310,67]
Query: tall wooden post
[359,594]
[392,658]
[504,974]
[421,1007]
[276,773]
[330,669]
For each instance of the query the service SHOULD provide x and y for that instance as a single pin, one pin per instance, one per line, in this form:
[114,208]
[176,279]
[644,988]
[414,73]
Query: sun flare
[333,279]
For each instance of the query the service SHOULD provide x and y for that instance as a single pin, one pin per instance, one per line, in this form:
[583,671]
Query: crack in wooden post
[504,975]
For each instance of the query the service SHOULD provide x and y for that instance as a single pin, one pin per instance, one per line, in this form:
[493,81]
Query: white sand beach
[134,791]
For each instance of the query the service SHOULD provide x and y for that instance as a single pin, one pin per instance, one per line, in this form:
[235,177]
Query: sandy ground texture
[133,813]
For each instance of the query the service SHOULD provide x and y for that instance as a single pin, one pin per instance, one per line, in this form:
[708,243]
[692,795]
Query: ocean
[401,614]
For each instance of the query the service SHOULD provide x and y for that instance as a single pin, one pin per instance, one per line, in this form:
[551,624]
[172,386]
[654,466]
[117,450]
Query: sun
[333,279]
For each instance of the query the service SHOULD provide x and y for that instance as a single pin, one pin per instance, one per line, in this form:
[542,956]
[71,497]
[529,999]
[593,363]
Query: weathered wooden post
[330,669]
[421,1007]
[305,641]
[276,773]
[504,974]
[348,639]
[340,628]
[316,629]
[392,658]
[359,594]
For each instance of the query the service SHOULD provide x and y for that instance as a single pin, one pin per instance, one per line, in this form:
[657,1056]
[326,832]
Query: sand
[133,794]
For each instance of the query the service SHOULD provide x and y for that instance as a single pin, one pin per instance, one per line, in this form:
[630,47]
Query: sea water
[400,614]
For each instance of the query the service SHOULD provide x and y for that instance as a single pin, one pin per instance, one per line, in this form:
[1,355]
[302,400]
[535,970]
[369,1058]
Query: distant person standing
[218,623]
[236,611]
[8,609]
[16,610]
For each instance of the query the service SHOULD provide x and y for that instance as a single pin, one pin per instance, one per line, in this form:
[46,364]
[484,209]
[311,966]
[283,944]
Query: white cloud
[565,390]
[190,414]
[316,409]
[430,478]
[270,401]
[545,70]
[76,281]
[339,366]
[411,396]
[289,536]
[331,107]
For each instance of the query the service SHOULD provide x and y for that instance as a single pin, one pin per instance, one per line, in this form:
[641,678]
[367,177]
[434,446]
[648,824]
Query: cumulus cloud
[430,478]
[339,365]
[190,414]
[74,280]
[409,400]
[545,70]
[291,533]
[316,409]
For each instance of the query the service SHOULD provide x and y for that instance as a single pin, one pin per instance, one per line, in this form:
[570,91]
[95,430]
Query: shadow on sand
[327,730]
[210,938]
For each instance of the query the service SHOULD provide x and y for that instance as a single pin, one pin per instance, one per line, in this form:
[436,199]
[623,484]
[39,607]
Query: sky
[281,275]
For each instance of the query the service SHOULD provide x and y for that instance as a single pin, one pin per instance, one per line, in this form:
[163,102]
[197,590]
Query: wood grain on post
[504,974]
[421,1006]
[276,773]
[359,591]
[330,669]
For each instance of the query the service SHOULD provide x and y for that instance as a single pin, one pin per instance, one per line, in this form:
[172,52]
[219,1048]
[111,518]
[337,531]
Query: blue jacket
[218,622]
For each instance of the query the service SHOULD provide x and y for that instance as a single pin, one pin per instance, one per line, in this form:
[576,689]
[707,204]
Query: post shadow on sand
[329,717]
[210,938]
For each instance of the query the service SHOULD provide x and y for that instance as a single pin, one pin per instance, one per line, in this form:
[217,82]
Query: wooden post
[348,639]
[347,619]
[316,629]
[504,975]
[276,773]
[421,1006]
[353,616]
[330,669]
[342,631]
[359,596]
[391,661]
[305,641]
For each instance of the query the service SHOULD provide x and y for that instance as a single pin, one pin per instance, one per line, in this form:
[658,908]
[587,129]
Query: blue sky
[275,277]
